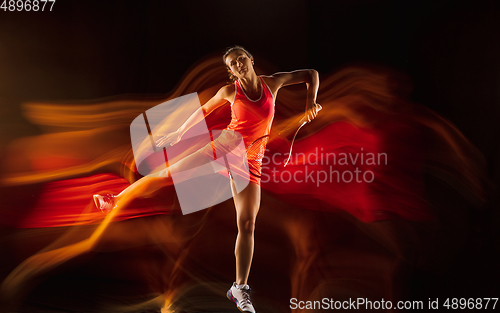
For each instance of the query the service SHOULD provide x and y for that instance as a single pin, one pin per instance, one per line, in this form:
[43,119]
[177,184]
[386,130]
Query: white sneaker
[241,296]
[105,203]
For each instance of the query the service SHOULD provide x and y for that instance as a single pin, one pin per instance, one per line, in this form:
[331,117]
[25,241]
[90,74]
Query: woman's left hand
[169,139]
[312,111]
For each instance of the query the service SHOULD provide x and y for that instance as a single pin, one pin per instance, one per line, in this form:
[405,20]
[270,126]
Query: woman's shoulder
[227,91]
[271,82]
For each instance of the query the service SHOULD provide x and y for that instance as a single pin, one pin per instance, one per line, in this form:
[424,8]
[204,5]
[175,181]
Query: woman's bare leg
[247,204]
[186,168]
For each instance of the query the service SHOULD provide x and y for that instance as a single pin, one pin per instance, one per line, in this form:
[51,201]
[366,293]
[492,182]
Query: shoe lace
[246,295]
[108,203]
[108,198]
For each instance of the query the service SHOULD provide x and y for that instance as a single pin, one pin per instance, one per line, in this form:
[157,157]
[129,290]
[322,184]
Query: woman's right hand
[168,139]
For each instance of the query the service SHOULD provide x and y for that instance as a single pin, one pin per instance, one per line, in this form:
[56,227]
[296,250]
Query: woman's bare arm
[308,76]
[221,97]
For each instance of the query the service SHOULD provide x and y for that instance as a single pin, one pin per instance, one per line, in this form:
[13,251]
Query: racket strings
[255,154]
[257,149]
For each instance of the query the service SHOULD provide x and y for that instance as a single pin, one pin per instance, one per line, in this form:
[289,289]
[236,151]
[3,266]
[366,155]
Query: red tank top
[252,118]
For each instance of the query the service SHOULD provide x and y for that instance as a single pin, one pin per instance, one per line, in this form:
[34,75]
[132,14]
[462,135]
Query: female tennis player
[252,100]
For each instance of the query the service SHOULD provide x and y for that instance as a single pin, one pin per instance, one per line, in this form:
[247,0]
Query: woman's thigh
[247,201]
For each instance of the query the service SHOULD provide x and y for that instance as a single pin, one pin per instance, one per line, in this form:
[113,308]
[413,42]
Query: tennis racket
[302,122]
[279,146]
[255,153]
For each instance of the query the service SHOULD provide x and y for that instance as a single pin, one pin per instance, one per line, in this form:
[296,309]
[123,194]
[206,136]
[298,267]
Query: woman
[252,100]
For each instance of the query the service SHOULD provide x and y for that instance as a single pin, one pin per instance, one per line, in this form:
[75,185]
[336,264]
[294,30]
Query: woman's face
[239,63]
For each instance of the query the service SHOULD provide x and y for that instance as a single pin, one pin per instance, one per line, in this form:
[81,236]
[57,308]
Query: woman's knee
[246,224]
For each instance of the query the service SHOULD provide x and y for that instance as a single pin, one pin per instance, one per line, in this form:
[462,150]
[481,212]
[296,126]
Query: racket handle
[302,122]
[304,119]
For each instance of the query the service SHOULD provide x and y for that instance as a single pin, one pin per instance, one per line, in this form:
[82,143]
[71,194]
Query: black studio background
[92,49]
